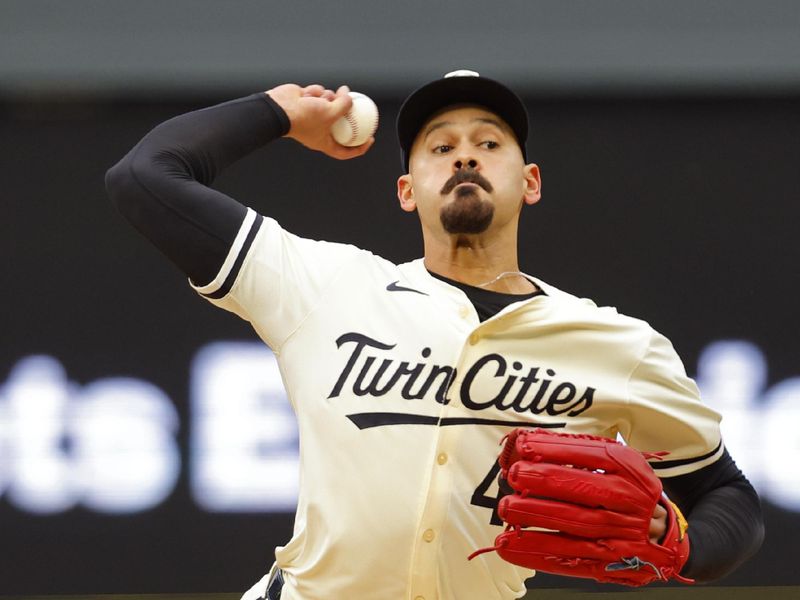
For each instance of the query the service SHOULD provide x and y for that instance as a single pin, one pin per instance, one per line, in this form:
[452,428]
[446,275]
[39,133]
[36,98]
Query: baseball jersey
[402,397]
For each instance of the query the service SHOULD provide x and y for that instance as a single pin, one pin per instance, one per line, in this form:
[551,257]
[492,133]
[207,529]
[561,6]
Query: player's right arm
[162,186]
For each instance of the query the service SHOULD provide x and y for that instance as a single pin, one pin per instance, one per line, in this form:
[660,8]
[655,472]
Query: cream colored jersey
[402,398]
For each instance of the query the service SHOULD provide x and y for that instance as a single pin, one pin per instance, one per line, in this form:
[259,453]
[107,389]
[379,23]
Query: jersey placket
[425,559]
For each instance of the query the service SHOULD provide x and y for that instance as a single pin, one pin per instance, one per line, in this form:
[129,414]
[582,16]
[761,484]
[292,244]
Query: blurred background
[145,441]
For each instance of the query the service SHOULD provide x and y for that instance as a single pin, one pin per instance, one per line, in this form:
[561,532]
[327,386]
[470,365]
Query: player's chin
[467,214]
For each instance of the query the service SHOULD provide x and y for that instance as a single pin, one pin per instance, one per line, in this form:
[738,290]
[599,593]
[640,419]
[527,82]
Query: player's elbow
[749,549]
[118,183]
[723,541]
[717,570]
[124,188]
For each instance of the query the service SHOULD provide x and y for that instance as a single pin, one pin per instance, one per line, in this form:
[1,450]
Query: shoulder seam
[320,299]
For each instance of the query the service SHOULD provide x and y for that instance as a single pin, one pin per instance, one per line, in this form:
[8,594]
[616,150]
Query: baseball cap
[459,87]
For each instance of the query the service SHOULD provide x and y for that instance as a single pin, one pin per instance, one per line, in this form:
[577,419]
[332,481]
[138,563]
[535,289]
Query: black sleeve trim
[230,279]
[668,464]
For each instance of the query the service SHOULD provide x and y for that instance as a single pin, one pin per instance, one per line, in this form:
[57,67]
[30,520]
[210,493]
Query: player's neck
[492,266]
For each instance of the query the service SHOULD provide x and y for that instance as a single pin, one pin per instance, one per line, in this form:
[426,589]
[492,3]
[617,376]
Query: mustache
[465,176]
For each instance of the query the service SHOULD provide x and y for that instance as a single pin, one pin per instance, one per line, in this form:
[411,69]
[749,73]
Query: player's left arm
[723,510]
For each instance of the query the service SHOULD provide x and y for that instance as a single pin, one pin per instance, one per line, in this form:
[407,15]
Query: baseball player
[421,369]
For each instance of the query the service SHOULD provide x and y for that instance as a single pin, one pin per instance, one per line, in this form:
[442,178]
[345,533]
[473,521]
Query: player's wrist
[284,99]
[279,112]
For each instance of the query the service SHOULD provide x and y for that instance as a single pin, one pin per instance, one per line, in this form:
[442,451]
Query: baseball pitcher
[461,429]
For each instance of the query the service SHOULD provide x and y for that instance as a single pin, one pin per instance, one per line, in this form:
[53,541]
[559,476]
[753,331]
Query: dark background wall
[668,144]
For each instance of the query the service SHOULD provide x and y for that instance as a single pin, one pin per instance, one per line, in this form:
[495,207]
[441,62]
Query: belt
[275,586]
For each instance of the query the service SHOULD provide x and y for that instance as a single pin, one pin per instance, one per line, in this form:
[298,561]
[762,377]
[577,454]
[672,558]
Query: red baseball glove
[595,498]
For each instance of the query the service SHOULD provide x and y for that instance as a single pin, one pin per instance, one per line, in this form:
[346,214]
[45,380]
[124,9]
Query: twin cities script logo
[488,382]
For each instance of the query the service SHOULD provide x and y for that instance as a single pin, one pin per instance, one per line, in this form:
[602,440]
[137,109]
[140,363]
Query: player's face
[467,174]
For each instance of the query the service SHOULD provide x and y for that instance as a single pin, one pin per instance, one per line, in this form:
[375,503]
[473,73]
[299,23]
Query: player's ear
[533,184]
[405,193]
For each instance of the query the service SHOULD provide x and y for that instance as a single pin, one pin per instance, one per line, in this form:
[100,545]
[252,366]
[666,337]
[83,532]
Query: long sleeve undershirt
[162,186]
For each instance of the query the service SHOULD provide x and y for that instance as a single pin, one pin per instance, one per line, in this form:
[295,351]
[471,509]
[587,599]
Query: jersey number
[480,497]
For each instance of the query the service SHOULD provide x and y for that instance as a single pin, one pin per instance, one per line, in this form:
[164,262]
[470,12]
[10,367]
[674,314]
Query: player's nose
[465,162]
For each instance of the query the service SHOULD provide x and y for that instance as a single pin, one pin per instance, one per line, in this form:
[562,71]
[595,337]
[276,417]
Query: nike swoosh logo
[393,287]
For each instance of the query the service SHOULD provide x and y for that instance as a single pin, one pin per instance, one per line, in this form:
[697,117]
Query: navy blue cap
[460,87]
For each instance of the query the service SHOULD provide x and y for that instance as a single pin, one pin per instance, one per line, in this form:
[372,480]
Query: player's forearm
[724,513]
[725,529]
[161,185]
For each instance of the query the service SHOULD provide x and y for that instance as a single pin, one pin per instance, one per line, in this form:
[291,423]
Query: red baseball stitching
[353,127]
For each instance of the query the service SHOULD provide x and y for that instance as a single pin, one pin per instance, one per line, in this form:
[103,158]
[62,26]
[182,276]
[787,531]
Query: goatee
[468,212]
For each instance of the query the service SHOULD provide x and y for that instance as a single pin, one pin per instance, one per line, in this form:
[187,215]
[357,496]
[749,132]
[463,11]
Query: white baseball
[360,122]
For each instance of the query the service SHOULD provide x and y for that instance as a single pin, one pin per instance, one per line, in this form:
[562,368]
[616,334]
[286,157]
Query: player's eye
[490,144]
[442,149]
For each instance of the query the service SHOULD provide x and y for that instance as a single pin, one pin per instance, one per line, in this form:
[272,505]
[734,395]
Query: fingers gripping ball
[582,506]
[359,124]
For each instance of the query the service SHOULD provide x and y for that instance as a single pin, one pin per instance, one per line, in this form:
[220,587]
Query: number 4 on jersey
[481,498]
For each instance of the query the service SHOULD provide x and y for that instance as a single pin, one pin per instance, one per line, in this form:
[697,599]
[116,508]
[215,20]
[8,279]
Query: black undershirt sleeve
[726,526]
[162,185]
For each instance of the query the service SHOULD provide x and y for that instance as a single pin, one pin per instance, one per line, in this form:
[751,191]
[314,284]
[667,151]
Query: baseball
[358,124]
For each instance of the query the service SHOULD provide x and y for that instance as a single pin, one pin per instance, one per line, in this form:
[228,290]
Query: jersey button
[474,338]
[464,312]
[428,535]
[442,458]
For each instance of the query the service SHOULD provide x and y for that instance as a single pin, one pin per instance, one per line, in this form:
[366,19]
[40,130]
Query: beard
[468,212]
